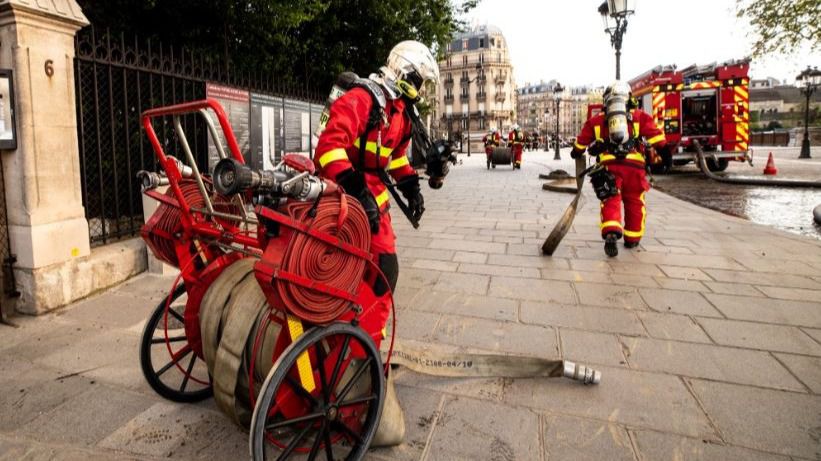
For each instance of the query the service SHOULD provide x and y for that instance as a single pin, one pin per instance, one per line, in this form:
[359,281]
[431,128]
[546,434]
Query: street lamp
[614,15]
[811,79]
[478,74]
[557,95]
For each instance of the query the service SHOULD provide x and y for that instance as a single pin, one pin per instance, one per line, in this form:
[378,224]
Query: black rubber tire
[282,368]
[720,165]
[146,364]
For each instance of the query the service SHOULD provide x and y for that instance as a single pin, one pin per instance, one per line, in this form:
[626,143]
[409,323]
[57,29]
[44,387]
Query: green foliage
[306,43]
[782,26]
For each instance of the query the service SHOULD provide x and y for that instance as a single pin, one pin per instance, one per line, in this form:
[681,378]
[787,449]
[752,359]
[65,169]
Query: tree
[781,26]
[306,43]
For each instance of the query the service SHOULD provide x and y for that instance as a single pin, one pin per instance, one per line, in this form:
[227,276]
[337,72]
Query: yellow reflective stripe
[398,163]
[640,232]
[606,157]
[597,131]
[636,129]
[332,156]
[635,156]
[382,198]
[303,362]
[656,139]
[610,224]
[580,146]
[370,146]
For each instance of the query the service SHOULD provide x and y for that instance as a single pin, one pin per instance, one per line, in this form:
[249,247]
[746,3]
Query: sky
[565,40]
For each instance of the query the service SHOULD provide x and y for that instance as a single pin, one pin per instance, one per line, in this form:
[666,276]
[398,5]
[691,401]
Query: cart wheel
[164,342]
[335,420]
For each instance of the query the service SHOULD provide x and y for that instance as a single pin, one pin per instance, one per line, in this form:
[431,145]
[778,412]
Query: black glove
[354,184]
[604,183]
[410,190]
[575,154]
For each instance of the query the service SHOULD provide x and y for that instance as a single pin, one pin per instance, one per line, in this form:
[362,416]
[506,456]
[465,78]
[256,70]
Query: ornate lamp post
[811,78]
[557,96]
[614,15]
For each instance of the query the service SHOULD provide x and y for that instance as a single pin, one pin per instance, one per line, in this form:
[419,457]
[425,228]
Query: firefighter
[360,139]
[491,140]
[614,136]
[516,140]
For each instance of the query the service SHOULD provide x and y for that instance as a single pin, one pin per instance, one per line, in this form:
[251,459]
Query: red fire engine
[709,103]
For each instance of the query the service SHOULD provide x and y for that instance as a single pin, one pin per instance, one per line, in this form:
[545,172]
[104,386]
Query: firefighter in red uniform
[516,140]
[491,141]
[615,137]
[362,144]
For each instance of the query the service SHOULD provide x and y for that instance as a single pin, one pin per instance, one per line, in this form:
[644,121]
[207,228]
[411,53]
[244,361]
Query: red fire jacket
[595,129]
[338,146]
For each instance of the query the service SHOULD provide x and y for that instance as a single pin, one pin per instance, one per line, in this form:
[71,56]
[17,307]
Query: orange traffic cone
[770,169]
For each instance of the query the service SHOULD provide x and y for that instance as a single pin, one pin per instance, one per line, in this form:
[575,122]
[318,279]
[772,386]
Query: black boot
[631,244]
[610,248]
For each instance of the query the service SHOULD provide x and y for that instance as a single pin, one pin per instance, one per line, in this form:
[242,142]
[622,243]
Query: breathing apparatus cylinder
[615,102]
[343,82]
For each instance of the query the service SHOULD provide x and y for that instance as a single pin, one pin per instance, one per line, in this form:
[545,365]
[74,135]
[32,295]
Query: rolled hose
[311,258]
[702,164]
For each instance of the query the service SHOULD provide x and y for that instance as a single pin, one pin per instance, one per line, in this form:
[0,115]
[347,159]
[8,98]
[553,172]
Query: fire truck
[708,103]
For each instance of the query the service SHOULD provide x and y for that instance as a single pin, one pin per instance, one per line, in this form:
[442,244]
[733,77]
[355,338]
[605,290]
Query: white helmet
[618,89]
[515,127]
[410,64]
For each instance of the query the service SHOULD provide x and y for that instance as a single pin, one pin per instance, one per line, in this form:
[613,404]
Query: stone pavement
[708,337]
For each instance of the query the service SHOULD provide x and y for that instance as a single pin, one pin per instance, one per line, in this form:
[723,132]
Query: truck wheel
[659,169]
[720,164]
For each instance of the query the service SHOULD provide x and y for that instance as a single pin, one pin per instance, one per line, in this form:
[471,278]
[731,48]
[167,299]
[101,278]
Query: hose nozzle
[581,373]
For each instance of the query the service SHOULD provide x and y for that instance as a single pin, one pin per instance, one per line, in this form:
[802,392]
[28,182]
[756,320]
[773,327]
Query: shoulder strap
[378,105]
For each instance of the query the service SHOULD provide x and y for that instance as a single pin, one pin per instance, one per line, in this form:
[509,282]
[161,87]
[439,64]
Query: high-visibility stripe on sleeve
[597,131]
[635,156]
[610,224]
[580,146]
[382,198]
[332,156]
[398,163]
[656,139]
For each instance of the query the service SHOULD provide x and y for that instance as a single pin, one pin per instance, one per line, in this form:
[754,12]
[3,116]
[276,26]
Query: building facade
[476,90]
[537,107]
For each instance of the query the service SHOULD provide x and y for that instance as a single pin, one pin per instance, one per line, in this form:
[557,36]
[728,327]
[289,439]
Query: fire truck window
[699,114]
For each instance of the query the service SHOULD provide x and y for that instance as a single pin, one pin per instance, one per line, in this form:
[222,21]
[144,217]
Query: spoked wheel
[331,416]
[168,362]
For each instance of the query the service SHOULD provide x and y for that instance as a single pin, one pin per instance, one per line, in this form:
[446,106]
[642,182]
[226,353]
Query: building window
[482,123]
[498,57]
[464,44]
[449,64]
[481,43]
[481,58]
[465,60]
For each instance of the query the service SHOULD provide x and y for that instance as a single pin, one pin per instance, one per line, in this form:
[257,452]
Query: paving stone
[591,348]
[415,325]
[682,285]
[763,419]
[679,302]
[772,279]
[781,266]
[797,294]
[596,294]
[739,289]
[633,280]
[699,261]
[532,290]
[689,273]
[567,437]
[424,253]
[627,397]
[719,363]
[417,278]
[432,264]
[816,334]
[470,429]
[635,268]
[590,266]
[463,283]
[93,352]
[527,261]
[470,257]
[421,409]
[446,302]
[806,369]
[674,327]
[97,403]
[575,276]
[469,245]
[581,318]
[34,392]
[780,311]
[506,271]
[116,309]
[516,338]
[760,336]
[655,445]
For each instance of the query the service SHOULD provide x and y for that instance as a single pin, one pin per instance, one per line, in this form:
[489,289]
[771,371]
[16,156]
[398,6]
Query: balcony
[464,97]
[500,78]
[449,98]
[449,81]
[501,97]
[481,96]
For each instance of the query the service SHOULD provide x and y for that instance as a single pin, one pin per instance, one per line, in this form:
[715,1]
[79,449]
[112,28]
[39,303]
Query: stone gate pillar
[47,225]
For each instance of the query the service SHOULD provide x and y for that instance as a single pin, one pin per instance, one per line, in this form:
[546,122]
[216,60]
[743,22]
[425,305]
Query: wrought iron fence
[116,79]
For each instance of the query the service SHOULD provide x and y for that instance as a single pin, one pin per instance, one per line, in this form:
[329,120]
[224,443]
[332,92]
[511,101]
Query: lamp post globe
[810,79]
[614,15]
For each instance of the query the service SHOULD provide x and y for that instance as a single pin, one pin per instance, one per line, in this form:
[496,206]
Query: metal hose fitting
[581,373]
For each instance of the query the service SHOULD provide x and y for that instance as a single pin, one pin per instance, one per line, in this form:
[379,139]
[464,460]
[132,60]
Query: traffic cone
[770,169]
